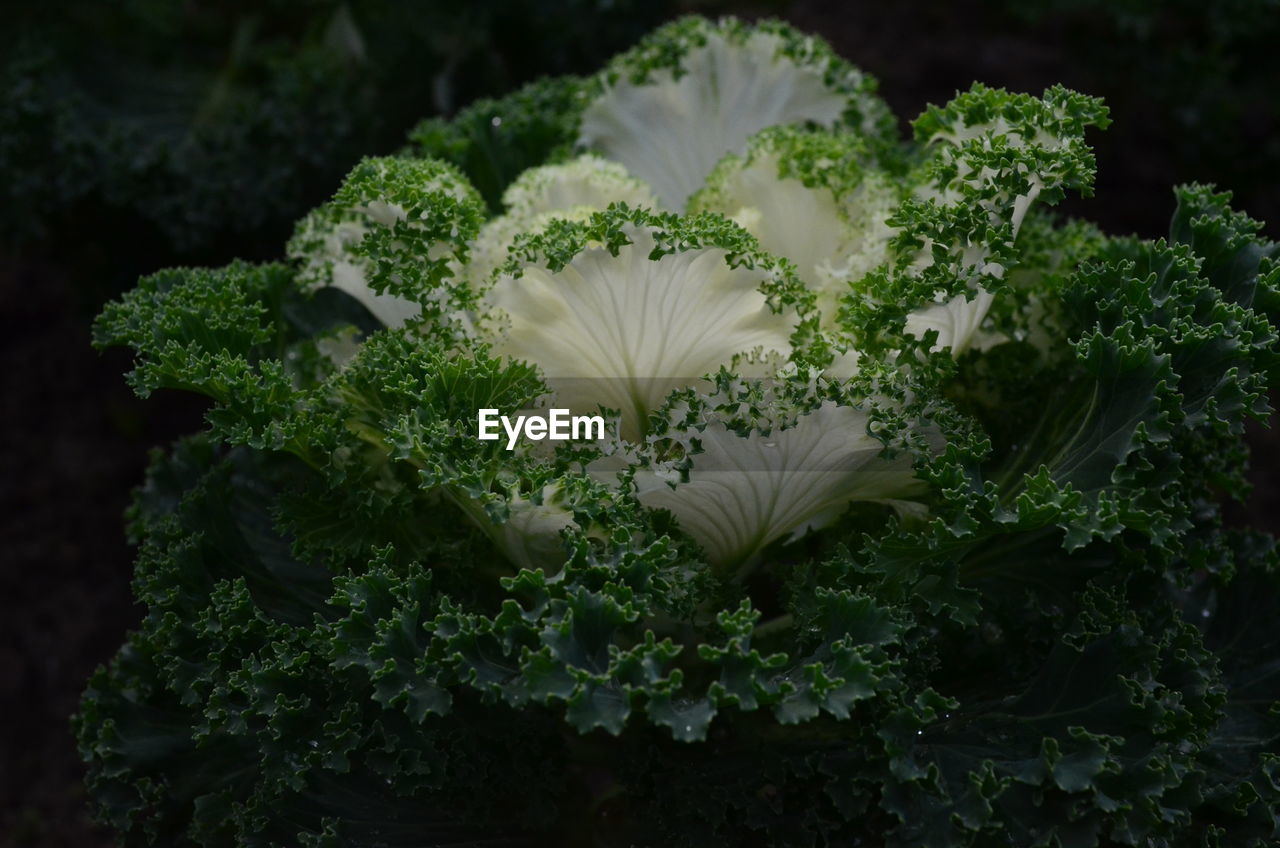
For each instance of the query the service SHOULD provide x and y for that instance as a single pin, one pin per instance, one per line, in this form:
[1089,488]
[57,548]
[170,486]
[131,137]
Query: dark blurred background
[141,134]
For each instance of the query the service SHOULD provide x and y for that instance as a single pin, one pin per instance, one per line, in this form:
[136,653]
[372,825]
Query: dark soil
[76,440]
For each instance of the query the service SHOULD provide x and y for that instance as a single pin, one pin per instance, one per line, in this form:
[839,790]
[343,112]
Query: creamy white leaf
[670,132]
[623,331]
[571,190]
[348,274]
[745,492]
[530,537]
[588,180]
[958,322]
[833,243]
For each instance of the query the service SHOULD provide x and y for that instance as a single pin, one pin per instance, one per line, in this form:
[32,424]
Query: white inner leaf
[958,322]
[744,493]
[623,331]
[349,276]
[671,132]
[789,218]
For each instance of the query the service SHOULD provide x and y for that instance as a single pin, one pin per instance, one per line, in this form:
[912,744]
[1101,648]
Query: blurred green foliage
[143,132]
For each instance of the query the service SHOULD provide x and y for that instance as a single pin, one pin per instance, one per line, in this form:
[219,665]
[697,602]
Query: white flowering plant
[905,530]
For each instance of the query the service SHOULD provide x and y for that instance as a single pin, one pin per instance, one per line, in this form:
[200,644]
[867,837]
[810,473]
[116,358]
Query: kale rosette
[905,531]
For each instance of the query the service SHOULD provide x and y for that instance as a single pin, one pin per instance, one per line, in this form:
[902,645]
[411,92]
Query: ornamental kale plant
[904,531]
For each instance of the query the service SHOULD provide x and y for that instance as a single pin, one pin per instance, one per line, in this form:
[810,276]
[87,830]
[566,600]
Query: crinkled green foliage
[1061,646]
[408,223]
[494,141]
[986,159]
[563,240]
